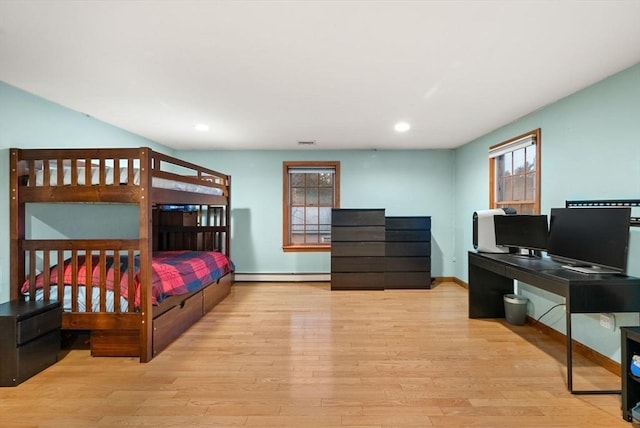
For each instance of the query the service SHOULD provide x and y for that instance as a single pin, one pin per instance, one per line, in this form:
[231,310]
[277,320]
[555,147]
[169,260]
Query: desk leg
[569,353]
[570,365]
[486,293]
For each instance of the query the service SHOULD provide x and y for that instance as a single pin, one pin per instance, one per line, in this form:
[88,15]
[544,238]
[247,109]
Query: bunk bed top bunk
[62,175]
[121,325]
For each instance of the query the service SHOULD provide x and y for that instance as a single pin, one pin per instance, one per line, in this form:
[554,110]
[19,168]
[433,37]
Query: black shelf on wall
[635,221]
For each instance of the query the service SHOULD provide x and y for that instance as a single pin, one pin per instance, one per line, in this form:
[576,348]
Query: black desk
[491,277]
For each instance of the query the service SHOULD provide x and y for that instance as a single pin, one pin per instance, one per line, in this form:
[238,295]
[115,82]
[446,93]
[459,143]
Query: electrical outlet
[608,321]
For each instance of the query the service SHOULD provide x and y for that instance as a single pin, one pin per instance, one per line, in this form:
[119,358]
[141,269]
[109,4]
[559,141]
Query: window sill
[306,248]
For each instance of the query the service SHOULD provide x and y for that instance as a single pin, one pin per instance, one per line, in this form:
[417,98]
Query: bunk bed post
[17,227]
[145,237]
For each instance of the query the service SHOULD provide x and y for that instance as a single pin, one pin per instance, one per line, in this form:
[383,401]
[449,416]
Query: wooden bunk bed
[198,221]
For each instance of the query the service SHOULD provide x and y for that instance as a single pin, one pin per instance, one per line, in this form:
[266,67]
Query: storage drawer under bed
[215,293]
[168,326]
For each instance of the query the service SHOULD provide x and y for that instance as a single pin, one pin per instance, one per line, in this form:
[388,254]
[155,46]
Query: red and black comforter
[173,273]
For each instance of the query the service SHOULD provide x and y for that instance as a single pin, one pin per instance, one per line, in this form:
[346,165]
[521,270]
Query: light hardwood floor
[300,355]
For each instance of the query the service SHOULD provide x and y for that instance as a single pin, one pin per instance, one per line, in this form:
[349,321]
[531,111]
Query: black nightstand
[29,339]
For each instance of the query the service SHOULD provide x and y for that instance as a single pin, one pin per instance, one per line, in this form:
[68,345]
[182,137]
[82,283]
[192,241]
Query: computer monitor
[522,231]
[590,239]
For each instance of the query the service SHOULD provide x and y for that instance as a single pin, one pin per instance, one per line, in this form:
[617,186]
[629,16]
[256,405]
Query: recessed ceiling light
[402,127]
[201,127]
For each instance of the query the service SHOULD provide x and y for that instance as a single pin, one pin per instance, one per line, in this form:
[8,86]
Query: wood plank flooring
[301,355]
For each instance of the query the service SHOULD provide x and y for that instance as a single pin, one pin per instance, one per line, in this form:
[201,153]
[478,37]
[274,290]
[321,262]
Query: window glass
[515,174]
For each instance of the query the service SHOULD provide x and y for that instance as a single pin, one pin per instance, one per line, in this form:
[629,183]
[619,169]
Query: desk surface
[547,267]
[585,293]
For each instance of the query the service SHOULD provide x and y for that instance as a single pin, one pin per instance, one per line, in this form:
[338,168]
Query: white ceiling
[266,74]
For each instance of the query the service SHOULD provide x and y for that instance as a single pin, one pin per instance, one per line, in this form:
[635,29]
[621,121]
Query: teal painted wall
[28,121]
[590,150]
[403,182]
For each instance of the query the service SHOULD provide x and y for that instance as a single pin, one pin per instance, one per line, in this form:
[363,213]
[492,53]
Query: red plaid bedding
[173,273]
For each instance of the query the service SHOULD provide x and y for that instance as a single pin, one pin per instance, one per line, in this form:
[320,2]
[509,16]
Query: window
[514,168]
[310,190]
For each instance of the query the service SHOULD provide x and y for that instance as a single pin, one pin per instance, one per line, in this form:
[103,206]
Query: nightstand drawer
[33,327]
[37,355]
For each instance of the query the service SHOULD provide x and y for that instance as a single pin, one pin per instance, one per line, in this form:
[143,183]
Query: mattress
[82,299]
[123,178]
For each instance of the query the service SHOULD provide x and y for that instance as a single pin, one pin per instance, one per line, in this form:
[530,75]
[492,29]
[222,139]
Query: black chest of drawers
[372,252]
[357,249]
[408,252]
[29,339]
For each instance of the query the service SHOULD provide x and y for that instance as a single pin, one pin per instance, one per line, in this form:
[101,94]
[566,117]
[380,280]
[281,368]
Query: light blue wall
[403,182]
[590,150]
[28,121]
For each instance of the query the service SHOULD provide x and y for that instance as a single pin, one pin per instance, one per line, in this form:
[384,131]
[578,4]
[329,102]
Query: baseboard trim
[453,279]
[319,277]
[316,277]
[440,279]
[283,277]
[578,348]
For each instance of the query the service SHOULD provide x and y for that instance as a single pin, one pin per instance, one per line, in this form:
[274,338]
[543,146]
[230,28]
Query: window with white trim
[514,168]
[310,191]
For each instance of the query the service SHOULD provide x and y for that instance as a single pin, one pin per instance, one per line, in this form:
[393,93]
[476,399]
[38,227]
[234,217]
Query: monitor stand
[590,270]
[528,253]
